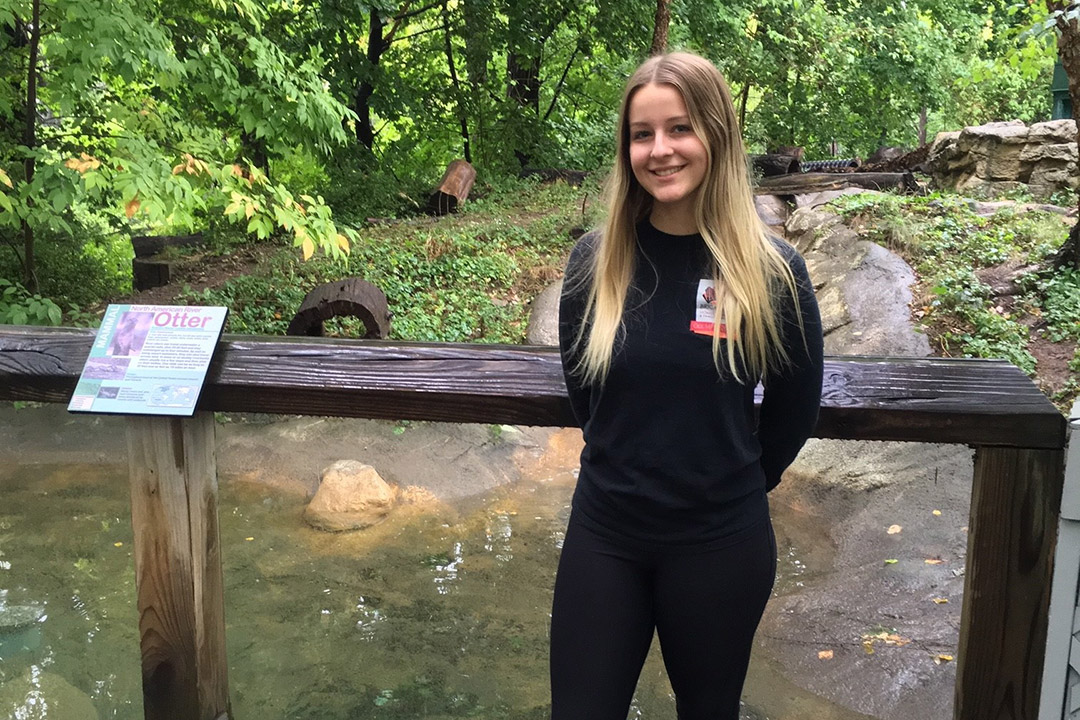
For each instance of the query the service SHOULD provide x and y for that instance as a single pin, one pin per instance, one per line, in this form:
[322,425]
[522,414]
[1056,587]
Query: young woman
[669,318]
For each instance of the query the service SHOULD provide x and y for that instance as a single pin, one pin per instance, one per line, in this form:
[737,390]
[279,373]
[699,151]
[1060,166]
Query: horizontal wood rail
[971,402]
[1018,435]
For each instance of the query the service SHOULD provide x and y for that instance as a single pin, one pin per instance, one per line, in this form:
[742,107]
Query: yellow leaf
[343,243]
[132,207]
[308,248]
[942,658]
[937,512]
[5,179]
[933,561]
[868,647]
[941,601]
[891,561]
[249,211]
[894,529]
[249,539]
[825,655]
[72,164]
[233,208]
[118,544]
[237,171]
[177,169]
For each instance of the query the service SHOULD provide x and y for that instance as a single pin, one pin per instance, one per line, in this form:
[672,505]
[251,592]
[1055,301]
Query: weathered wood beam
[174,516]
[804,183]
[1015,501]
[974,402]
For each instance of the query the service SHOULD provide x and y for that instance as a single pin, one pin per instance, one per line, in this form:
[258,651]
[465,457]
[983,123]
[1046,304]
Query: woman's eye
[639,135]
[682,129]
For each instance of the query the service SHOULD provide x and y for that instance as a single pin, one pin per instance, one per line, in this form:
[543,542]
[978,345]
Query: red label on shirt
[706,328]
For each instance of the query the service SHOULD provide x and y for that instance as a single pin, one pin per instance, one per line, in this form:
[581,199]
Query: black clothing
[704,605]
[673,454]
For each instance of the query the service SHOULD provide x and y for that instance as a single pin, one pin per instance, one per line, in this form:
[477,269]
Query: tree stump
[454,188]
[148,271]
[351,297]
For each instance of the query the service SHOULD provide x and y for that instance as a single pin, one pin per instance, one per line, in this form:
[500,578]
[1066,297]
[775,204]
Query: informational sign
[149,360]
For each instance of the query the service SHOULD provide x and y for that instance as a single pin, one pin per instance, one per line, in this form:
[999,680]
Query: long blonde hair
[747,267]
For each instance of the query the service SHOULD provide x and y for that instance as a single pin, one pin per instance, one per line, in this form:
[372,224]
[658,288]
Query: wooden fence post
[174,515]
[1012,530]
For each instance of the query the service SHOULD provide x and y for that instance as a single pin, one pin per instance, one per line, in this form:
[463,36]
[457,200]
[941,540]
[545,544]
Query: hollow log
[350,297]
[454,188]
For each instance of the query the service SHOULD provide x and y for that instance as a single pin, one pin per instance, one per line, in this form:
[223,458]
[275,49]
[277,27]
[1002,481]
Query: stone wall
[1004,156]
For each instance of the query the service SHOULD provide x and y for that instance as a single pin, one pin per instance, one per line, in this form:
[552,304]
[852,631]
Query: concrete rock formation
[1003,156]
[351,496]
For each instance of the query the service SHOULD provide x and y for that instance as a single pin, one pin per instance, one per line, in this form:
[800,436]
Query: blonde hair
[746,264]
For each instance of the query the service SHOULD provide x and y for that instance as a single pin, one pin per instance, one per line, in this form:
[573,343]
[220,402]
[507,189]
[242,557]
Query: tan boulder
[351,496]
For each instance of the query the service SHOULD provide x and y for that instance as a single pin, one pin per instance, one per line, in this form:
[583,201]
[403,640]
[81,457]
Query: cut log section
[774,164]
[351,297]
[454,188]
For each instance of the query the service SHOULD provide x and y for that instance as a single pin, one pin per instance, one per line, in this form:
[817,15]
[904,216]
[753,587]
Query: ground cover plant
[465,278]
[986,287]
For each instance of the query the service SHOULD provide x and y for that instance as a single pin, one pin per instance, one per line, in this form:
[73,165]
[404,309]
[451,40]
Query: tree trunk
[1069,52]
[457,85]
[922,127]
[30,141]
[523,84]
[744,96]
[660,27]
[365,135]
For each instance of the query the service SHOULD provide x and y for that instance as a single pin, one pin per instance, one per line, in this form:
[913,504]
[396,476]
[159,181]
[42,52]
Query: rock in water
[351,496]
[17,617]
[39,695]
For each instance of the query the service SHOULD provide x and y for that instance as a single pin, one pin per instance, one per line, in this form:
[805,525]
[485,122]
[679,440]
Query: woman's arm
[789,409]
[571,316]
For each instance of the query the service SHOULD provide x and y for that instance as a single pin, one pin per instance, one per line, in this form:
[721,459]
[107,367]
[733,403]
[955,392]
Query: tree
[145,111]
[1063,17]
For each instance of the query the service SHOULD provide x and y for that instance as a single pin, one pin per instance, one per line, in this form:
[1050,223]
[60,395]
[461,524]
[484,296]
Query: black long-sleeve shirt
[673,453]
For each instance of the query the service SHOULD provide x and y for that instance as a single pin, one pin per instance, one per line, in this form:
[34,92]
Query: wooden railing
[1017,434]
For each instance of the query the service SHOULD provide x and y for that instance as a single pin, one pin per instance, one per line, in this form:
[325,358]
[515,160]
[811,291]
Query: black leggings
[705,605]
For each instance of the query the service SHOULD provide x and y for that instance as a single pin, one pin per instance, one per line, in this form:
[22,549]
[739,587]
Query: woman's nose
[660,145]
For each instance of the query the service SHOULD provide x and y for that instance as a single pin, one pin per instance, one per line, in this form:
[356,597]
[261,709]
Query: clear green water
[440,612]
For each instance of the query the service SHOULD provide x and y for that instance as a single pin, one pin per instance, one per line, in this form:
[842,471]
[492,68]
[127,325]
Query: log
[805,183]
[1015,502]
[772,165]
[174,516]
[570,177]
[454,188]
[149,273]
[349,297]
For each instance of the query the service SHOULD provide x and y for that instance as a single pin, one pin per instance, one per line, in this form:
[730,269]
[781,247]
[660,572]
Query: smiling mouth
[667,171]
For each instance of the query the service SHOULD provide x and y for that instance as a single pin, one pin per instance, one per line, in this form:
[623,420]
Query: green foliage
[1057,295]
[947,243]
[20,307]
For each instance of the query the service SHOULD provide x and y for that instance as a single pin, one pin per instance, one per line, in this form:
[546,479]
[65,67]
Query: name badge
[704,322]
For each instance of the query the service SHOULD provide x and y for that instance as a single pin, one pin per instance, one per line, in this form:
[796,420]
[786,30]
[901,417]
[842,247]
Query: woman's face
[666,156]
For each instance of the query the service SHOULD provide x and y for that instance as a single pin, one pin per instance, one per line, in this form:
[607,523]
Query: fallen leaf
[249,539]
[891,561]
[933,561]
[118,544]
[941,601]
[868,647]
[893,529]
[824,655]
[942,659]
[937,512]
